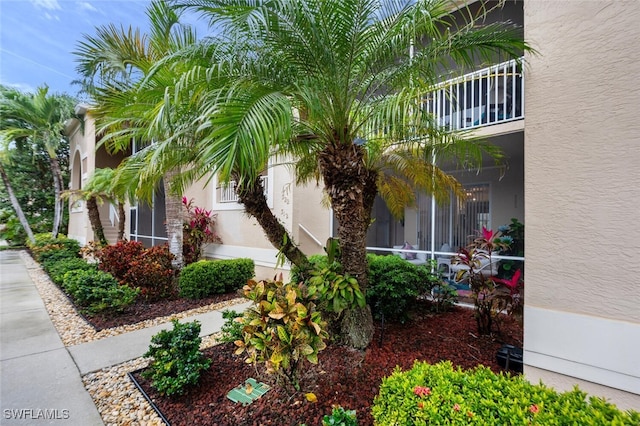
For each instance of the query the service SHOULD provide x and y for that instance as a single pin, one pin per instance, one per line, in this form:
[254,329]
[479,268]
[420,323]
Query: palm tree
[341,72]
[152,106]
[16,205]
[115,64]
[100,187]
[39,116]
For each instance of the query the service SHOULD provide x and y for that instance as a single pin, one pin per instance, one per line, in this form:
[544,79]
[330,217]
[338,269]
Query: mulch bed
[342,377]
[142,310]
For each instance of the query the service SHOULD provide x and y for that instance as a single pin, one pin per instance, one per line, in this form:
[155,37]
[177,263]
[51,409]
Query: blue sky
[38,36]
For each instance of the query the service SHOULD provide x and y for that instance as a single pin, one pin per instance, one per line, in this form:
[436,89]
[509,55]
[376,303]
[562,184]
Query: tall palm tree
[341,72]
[153,106]
[115,64]
[39,116]
[16,204]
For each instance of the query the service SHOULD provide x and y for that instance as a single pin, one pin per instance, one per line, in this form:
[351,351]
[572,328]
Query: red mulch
[343,377]
[142,310]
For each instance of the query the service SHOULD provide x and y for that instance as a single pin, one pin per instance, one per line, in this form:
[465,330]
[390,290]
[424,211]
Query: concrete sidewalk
[40,377]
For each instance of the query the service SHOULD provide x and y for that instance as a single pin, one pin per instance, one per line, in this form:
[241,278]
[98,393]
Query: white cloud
[51,17]
[84,5]
[47,4]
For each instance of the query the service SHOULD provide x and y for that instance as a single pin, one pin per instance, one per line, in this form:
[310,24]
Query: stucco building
[566,120]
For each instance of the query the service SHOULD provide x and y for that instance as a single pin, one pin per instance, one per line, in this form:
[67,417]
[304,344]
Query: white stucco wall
[582,138]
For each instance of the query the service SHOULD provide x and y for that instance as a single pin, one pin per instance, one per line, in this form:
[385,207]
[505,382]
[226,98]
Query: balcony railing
[228,192]
[489,96]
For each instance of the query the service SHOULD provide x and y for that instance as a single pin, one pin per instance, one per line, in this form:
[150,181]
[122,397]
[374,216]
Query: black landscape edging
[147,397]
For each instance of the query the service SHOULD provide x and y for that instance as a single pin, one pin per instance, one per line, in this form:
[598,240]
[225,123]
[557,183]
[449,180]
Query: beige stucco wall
[82,161]
[582,137]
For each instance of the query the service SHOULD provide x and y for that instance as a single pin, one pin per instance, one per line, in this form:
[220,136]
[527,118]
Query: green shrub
[440,394]
[232,328]
[46,243]
[318,262]
[177,360]
[340,417]
[57,270]
[206,277]
[97,291]
[394,284]
[281,329]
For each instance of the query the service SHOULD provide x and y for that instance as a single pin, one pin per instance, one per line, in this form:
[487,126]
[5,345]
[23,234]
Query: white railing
[489,96]
[113,215]
[313,237]
[228,192]
[442,257]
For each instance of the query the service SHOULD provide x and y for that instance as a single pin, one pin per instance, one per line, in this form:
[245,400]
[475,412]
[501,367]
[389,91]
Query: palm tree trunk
[16,205]
[120,221]
[346,179]
[94,219]
[174,219]
[255,204]
[58,187]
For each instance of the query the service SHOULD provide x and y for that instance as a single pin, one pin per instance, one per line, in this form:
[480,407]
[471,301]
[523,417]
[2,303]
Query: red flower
[487,234]
[534,409]
[456,407]
[422,391]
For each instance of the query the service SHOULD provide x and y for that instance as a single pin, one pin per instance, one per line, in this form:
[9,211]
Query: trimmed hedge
[98,291]
[439,394]
[208,277]
[57,270]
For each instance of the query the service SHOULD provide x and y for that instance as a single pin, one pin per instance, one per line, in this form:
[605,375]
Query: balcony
[489,96]
[228,192]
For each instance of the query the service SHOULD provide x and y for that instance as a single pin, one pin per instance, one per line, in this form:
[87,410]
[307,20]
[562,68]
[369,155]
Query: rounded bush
[394,283]
[208,277]
[440,394]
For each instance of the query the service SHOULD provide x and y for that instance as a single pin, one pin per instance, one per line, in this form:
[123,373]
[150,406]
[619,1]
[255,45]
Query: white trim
[261,257]
[590,348]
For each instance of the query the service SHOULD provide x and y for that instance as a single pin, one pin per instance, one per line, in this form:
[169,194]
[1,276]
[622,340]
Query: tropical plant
[337,86]
[282,329]
[39,117]
[198,229]
[492,296]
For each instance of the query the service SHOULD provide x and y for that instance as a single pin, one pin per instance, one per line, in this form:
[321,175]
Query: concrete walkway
[40,377]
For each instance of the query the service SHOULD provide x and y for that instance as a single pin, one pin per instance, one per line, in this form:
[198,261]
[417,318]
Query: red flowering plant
[198,229]
[492,296]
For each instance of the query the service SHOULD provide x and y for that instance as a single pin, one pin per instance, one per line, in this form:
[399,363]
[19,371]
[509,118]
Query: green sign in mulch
[249,392]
